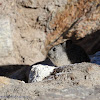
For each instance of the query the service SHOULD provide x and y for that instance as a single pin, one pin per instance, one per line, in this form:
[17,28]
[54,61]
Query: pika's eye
[61,43]
[54,49]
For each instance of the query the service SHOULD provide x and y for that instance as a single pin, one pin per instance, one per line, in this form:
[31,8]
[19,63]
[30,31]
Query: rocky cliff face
[28,26]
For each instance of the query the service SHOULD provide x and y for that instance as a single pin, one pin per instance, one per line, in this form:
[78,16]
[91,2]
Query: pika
[67,53]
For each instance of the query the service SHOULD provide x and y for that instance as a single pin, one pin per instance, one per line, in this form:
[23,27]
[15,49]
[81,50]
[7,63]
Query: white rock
[39,72]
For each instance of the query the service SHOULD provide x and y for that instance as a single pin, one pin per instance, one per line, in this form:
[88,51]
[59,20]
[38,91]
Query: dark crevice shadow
[19,72]
[90,43]
[47,61]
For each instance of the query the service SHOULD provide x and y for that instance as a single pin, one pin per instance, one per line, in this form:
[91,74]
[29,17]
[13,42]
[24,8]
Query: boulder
[72,82]
[29,26]
[39,72]
[74,74]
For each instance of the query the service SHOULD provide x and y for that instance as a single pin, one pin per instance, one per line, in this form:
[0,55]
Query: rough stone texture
[73,82]
[88,14]
[7,81]
[27,41]
[30,21]
[39,72]
[6,46]
[73,74]
[78,74]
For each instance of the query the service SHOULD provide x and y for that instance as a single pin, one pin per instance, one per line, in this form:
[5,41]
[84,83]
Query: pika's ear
[63,44]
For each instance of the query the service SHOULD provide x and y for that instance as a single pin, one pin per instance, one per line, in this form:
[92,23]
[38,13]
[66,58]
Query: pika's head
[58,50]
[57,55]
[55,51]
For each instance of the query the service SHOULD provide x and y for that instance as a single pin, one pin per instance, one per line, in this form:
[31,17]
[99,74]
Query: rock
[74,74]
[51,7]
[87,24]
[26,39]
[6,46]
[60,2]
[29,3]
[21,44]
[39,72]
[33,24]
[72,82]
[78,74]
[42,19]
[4,81]
[72,93]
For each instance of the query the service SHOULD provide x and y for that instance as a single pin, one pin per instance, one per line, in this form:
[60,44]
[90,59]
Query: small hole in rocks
[84,77]
[72,78]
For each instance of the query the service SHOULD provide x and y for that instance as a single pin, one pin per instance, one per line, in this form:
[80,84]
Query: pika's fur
[67,53]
